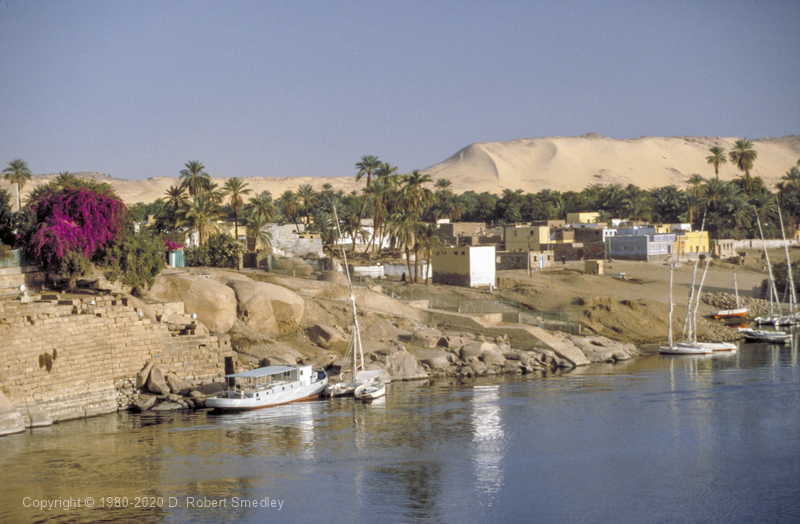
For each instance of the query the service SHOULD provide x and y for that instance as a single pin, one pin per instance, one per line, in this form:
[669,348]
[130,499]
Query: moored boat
[269,386]
[685,348]
[760,335]
[731,313]
[370,391]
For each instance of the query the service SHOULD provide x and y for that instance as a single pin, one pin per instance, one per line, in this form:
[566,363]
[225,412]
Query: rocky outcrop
[269,309]
[601,349]
[326,337]
[213,302]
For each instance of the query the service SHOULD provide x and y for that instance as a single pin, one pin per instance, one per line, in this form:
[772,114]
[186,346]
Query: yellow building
[528,238]
[691,242]
[583,218]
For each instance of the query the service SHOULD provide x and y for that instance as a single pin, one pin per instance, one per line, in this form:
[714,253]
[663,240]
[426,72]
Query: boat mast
[769,269]
[671,303]
[693,331]
[736,289]
[792,296]
[355,341]
[694,276]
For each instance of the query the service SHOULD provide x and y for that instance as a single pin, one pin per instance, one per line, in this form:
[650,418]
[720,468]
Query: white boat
[370,391]
[714,346]
[359,380]
[731,313]
[685,348]
[269,386]
[760,335]
[347,388]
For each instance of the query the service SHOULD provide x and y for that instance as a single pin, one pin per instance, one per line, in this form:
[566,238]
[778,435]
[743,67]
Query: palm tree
[792,179]
[403,226]
[308,196]
[413,195]
[367,166]
[235,188]
[200,215]
[289,205]
[262,204]
[17,172]
[194,178]
[716,158]
[743,155]
[431,241]
[65,179]
[258,230]
[175,197]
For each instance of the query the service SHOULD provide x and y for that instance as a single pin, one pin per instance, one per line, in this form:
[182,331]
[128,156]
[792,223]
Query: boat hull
[369,392]
[685,350]
[267,398]
[731,313]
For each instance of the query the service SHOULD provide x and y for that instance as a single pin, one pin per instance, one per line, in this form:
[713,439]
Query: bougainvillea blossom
[76,219]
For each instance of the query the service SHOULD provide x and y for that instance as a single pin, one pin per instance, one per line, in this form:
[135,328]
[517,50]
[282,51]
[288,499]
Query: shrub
[135,260]
[74,265]
[196,256]
[225,251]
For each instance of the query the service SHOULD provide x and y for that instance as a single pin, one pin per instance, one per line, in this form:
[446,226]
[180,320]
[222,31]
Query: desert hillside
[556,163]
[566,164]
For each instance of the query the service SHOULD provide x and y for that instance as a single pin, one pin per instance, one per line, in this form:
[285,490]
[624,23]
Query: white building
[470,266]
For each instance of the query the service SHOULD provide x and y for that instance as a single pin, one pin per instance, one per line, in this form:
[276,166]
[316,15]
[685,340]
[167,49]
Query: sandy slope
[541,163]
[573,163]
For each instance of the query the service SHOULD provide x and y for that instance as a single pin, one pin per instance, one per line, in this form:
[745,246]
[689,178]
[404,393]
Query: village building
[526,238]
[469,266]
[583,218]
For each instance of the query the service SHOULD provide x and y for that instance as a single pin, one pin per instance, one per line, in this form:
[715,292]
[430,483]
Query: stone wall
[91,352]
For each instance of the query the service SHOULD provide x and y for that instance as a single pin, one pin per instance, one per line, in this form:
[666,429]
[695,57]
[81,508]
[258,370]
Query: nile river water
[675,439]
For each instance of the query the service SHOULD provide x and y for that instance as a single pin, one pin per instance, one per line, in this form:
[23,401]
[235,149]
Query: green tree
[308,197]
[263,205]
[135,260]
[716,158]
[431,241]
[289,205]
[403,226]
[258,231]
[17,172]
[200,216]
[743,155]
[235,189]
[195,179]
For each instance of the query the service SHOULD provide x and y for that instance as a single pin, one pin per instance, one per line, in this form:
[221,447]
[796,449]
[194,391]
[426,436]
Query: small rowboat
[731,313]
[760,335]
[685,349]
[370,391]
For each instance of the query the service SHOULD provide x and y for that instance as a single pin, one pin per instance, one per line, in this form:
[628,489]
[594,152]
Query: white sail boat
[680,348]
[689,345]
[737,312]
[354,348]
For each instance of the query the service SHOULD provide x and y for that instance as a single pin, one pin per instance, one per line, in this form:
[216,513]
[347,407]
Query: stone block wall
[90,350]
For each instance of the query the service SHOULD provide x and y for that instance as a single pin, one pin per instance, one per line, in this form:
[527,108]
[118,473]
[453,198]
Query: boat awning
[365,376]
[262,372]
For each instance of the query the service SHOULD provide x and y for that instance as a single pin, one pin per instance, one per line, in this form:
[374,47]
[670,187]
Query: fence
[563,319]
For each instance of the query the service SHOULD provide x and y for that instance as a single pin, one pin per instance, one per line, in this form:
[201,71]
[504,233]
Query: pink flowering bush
[83,219]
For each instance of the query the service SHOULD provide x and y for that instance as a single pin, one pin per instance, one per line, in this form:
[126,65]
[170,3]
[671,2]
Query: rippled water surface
[679,439]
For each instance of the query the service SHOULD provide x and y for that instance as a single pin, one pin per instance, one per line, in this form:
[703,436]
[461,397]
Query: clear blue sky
[135,89]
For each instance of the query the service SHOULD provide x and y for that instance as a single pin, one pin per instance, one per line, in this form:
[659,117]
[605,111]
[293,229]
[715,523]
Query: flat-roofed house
[469,266]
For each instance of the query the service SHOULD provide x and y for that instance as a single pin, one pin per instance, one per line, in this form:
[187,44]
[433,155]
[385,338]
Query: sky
[135,89]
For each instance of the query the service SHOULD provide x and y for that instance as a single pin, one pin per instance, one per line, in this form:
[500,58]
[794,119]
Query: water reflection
[487,441]
[603,444]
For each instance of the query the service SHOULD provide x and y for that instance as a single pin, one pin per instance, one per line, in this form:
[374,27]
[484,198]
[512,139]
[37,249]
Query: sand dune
[558,163]
[573,163]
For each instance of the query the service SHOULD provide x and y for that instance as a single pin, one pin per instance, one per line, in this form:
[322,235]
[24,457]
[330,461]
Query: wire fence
[567,320]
